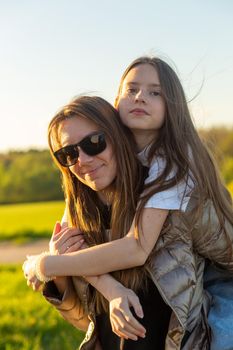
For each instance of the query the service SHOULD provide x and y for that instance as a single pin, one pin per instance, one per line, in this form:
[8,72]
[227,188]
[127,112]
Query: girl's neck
[144,137]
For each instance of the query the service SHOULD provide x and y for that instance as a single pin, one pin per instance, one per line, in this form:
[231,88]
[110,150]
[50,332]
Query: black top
[156,317]
[156,320]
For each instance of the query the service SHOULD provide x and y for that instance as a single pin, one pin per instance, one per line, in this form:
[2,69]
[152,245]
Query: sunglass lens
[93,144]
[67,156]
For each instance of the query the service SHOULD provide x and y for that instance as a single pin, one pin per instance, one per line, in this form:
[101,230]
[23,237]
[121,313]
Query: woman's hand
[66,240]
[123,323]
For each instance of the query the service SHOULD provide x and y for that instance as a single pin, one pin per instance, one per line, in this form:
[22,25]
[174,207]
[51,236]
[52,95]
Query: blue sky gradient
[53,50]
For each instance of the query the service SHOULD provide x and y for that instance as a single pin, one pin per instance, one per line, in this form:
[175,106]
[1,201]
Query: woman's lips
[92,173]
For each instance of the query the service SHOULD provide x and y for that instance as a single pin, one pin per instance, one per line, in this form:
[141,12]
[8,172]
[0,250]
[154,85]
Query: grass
[25,222]
[27,321]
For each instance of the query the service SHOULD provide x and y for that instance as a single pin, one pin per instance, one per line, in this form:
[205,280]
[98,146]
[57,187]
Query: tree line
[30,176]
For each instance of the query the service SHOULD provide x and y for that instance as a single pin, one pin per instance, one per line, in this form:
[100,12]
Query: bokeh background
[54,50]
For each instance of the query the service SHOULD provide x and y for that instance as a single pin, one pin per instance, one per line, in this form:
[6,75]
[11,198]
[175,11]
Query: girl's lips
[139,111]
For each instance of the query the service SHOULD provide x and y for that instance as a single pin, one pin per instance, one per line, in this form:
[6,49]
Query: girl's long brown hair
[84,206]
[182,147]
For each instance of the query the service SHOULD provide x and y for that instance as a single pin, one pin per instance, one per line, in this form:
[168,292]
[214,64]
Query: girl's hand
[123,323]
[66,240]
[29,273]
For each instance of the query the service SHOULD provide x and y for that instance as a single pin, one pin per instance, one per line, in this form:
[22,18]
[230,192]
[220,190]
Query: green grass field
[27,321]
[22,222]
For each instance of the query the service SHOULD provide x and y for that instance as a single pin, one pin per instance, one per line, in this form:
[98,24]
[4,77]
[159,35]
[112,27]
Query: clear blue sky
[52,50]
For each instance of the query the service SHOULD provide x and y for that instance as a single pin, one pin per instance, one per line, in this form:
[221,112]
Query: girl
[182,181]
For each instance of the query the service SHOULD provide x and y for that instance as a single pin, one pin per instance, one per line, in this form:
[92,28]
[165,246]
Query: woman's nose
[84,158]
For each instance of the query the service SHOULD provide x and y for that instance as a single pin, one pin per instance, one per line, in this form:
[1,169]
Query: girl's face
[98,171]
[141,106]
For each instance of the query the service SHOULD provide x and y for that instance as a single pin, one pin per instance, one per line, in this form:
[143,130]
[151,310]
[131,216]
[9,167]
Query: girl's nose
[140,96]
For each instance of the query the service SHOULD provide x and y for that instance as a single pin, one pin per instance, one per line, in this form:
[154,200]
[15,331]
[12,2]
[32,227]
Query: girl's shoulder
[173,198]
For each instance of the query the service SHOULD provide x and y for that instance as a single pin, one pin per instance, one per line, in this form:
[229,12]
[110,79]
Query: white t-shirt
[174,198]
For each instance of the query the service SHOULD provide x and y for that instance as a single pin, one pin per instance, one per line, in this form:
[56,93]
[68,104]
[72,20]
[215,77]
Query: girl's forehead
[143,73]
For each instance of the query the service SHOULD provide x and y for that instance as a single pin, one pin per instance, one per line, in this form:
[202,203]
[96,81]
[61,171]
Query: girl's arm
[120,254]
[119,297]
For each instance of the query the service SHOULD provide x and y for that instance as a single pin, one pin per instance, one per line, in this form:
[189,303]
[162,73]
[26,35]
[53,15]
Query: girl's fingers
[124,321]
[37,285]
[134,326]
[135,303]
[128,327]
[122,331]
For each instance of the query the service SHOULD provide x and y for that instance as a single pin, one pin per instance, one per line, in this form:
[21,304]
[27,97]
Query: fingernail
[140,313]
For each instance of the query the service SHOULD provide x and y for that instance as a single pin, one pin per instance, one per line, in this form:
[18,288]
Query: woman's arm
[67,304]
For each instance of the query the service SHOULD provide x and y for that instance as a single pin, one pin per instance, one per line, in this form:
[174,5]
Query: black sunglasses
[92,145]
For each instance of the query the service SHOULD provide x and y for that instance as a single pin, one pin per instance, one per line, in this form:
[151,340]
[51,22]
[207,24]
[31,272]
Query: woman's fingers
[73,247]
[56,229]
[63,241]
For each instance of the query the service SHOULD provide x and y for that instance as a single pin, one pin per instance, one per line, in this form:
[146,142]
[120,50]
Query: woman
[107,173]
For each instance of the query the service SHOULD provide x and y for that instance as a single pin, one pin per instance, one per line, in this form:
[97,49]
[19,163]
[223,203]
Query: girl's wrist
[39,268]
[112,290]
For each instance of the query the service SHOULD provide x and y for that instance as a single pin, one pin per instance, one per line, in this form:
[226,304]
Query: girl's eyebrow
[136,84]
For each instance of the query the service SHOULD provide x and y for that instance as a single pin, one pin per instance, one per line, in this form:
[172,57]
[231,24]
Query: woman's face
[98,171]
[141,106]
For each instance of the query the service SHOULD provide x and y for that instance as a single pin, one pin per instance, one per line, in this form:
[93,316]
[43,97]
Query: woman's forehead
[73,130]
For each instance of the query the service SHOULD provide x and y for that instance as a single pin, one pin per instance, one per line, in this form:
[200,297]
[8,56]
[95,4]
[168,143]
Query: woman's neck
[106,196]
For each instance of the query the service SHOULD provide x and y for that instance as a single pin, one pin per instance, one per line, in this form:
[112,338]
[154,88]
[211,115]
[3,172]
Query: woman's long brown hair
[182,148]
[84,206]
